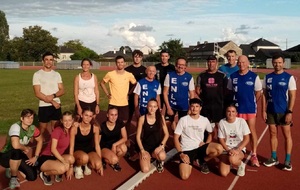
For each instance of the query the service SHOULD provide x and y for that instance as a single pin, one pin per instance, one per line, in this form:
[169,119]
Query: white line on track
[247,160]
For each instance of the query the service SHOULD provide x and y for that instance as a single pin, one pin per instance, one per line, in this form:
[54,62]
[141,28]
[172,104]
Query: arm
[73,132]
[136,105]
[96,90]
[40,95]
[291,103]
[15,142]
[183,157]
[76,92]
[97,147]
[122,140]
[55,153]
[264,105]
[166,132]
[198,90]
[139,133]
[102,84]
[166,98]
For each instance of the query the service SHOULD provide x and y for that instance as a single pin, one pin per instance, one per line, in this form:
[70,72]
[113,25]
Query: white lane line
[247,160]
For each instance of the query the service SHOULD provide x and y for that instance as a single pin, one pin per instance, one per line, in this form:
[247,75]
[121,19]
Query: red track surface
[255,178]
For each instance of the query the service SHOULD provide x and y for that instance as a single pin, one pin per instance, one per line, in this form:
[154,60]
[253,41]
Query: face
[231,113]
[112,115]
[152,107]
[67,121]
[164,58]
[231,57]
[243,63]
[278,64]
[87,116]
[212,65]
[195,109]
[120,64]
[137,59]
[48,61]
[151,72]
[181,66]
[27,120]
[86,66]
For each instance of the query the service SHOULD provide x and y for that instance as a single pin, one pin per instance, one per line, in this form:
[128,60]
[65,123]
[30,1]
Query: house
[124,51]
[64,54]
[293,53]
[147,50]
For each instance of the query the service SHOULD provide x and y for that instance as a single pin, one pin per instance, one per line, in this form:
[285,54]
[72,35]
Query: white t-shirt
[192,131]
[233,132]
[48,82]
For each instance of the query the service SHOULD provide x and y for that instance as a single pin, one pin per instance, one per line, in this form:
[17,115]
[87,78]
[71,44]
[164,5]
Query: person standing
[86,91]
[138,71]
[231,66]
[210,87]
[162,69]
[277,109]
[118,80]
[48,87]
[246,88]
[178,88]
[192,146]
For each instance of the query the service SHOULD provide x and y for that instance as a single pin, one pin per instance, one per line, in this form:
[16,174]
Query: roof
[247,49]
[268,52]
[116,53]
[262,42]
[65,49]
[209,46]
[294,49]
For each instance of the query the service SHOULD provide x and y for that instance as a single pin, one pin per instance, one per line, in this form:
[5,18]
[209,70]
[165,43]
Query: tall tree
[175,48]
[80,50]
[4,36]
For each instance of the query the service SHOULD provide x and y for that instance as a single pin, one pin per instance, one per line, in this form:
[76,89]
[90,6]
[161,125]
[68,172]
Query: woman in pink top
[86,92]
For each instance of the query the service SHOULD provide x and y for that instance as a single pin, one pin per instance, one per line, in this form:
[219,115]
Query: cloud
[170,35]
[141,28]
[190,22]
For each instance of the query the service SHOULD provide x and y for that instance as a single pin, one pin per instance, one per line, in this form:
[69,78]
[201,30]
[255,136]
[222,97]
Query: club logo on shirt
[282,83]
[185,83]
[249,83]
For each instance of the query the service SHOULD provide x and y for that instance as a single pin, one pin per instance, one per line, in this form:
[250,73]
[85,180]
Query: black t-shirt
[138,73]
[162,71]
[109,137]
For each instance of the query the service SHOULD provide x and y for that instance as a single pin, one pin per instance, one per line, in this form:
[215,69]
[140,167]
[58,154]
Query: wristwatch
[289,111]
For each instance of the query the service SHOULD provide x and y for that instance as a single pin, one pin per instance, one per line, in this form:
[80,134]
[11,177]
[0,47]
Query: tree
[80,50]
[174,47]
[4,36]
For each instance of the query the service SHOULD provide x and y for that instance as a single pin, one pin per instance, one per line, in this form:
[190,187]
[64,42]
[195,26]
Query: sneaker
[287,166]
[13,183]
[78,172]
[7,173]
[87,170]
[159,166]
[46,179]
[241,169]
[116,167]
[58,178]
[254,160]
[271,162]
[204,168]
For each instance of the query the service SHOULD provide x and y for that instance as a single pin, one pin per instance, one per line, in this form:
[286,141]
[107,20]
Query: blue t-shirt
[228,70]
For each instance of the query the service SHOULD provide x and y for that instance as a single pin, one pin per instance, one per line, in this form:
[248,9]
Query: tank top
[84,141]
[87,89]
[151,134]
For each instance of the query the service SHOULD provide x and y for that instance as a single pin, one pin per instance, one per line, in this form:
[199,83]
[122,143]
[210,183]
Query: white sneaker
[87,170]
[241,169]
[78,172]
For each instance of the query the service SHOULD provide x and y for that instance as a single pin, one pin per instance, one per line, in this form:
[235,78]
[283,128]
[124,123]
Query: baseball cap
[211,57]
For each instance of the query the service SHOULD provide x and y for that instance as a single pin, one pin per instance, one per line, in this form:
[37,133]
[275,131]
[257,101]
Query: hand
[79,111]
[185,158]
[100,171]
[31,161]
[264,115]
[55,104]
[288,118]
[69,173]
[233,152]
[158,150]
[145,155]
[114,148]
[48,98]
[97,109]
[170,111]
[109,96]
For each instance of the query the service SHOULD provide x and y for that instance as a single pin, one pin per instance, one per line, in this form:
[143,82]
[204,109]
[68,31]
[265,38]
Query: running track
[255,178]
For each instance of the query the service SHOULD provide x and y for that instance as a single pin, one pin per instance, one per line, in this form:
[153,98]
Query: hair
[230,51]
[86,59]
[47,53]
[59,122]
[137,52]
[111,107]
[231,105]
[277,56]
[27,112]
[119,57]
[181,57]
[84,109]
[196,101]
[164,51]
[158,115]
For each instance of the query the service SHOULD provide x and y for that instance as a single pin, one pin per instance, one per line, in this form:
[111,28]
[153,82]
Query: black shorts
[49,113]
[123,112]
[42,159]
[84,105]
[87,149]
[276,119]
[131,104]
[172,117]
[198,153]
[213,114]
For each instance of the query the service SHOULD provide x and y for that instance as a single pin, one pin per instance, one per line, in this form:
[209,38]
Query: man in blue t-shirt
[278,103]
[178,88]
[231,66]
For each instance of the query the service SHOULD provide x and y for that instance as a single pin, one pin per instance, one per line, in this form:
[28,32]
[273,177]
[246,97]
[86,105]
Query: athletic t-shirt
[24,135]
[233,133]
[277,86]
[191,131]
[212,87]
[146,90]
[138,72]
[109,137]
[179,87]
[228,70]
[162,71]
[63,141]
[48,82]
[244,87]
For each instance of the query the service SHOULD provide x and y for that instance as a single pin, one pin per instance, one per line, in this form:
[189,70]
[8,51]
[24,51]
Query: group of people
[222,102]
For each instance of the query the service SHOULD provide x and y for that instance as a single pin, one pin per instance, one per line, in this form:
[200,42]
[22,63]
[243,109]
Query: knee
[16,154]
[223,174]
[31,176]
[145,169]
[114,159]
[184,176]
[219,149]
[62,170]
[70,159]
[162,156]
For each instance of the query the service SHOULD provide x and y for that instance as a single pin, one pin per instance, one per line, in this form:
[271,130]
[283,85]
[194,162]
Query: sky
[105,25]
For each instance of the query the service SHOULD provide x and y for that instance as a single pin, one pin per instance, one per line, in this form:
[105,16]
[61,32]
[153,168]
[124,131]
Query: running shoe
[46,179]
[204,168]
[241,169]
[159,166]
[78,172]
[254,160]
[271,162]
[58,178]
[116,167]
[87,170]
[13,183]
[287,166]
[7,173]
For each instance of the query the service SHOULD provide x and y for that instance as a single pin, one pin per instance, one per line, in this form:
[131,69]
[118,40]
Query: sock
[288,157]
[274,154]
